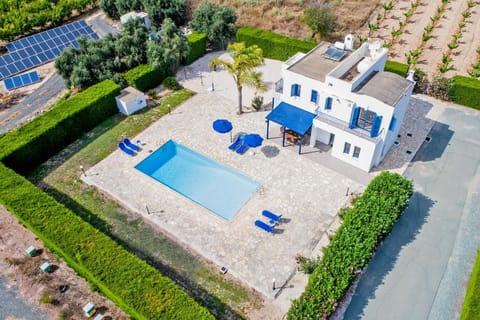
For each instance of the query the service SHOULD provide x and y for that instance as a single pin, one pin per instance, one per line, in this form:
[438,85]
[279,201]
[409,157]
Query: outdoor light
[83,170]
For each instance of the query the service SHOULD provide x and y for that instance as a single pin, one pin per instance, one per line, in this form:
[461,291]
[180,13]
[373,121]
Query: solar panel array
[32,51]
[21,80]
[334,54]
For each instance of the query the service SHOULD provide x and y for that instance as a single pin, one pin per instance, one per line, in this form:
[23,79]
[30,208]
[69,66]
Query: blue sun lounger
[132,146]
[237,143]
[124,148]
[244,147]
[272,216]
[264,226]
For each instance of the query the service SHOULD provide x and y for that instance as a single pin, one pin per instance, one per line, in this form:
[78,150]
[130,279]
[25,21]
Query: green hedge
[466,91]
[397,67]
[274,45]
[144,77]
[131,283]
[198,46]
[471,305]
[364,226]
[44,136]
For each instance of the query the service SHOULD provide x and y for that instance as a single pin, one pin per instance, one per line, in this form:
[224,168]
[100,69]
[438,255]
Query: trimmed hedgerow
[466,91]
[198,46]
[364,226]
[131,283]
[274,45]
[396,67]
[144,77]
[471,305]
[44,136]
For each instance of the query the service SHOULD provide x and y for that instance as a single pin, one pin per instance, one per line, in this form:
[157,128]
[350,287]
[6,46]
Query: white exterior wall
[131,106]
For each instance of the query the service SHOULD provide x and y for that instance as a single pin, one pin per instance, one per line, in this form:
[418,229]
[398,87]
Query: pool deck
[308,190]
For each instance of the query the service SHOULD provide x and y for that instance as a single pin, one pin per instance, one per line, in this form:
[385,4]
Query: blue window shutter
[298,90]
[377,122]
[314,96]
[393,124]
[328,103]
[293,91]
[353,120]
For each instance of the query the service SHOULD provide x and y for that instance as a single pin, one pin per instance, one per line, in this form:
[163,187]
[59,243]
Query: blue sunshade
[292,117]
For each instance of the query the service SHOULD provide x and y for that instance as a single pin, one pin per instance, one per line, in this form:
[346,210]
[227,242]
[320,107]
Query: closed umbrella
[253,140]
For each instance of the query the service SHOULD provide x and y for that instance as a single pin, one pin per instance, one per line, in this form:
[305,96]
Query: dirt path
[33,285]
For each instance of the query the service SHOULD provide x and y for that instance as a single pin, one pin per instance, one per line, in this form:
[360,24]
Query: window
[365,119]
[314,97]
[328,103]
[356,152]
[346,148]
[295,91]
[393,124]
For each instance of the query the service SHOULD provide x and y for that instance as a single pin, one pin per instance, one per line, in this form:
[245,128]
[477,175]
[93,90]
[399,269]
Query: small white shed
[136,15]
[130,100]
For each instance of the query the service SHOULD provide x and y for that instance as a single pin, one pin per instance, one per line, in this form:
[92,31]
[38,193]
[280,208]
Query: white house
[346,99]
[130,101]
[136,15]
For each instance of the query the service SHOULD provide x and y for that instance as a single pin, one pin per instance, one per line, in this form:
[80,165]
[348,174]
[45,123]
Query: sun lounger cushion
[237,143]
[264,226]
[272,216]
[132,146]
[124,148]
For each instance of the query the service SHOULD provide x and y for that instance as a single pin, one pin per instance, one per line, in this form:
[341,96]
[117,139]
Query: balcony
[342,125]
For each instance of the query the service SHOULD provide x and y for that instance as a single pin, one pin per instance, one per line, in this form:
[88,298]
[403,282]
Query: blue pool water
[212,185]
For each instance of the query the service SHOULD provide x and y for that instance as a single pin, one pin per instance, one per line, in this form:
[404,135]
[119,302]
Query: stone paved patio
[305,189]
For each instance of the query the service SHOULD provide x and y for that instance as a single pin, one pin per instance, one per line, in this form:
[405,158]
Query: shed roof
[129,93]
[387,87]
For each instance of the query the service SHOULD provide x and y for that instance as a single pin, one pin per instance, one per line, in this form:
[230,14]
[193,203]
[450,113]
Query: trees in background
[216,21]
[157,10]
[167,48]
[242,66]
[113,55]
[321,19]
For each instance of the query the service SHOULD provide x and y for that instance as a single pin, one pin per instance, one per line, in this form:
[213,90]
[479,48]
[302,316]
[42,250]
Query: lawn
[60,177]
[471,305]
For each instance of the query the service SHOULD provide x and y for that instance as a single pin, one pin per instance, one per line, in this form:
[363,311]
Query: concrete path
[12,307]
[422,268]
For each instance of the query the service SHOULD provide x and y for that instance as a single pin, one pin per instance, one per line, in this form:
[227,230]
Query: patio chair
[237,143]
[124,148]
[244,147]
[264,226]
[129,144]
[272,216]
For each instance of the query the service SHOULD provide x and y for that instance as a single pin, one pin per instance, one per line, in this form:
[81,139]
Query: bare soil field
[285,16]
[42,289]
[432,50]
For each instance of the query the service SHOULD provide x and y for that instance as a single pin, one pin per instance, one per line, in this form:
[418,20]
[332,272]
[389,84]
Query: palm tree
[242,66]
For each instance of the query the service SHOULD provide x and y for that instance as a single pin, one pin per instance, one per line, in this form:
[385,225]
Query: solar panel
[21,80]
[42,47]
[334,54]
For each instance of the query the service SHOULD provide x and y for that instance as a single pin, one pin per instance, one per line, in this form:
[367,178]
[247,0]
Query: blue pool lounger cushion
[124,148]
[272,216]
[264,226]
[244,147]
[237,143]
[132,146]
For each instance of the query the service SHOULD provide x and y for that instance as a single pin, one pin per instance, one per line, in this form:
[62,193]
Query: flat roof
[314,65]
[387,87]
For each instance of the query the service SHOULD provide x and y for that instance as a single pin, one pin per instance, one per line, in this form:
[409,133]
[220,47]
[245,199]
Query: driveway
[13,307]
[421,270]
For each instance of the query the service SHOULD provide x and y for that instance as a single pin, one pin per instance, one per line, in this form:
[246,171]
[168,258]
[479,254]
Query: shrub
[321,19]
[257,103]
[132,284]
[396,67]
[171,83]
[364,226]
[440,87]
[198,45]
[144,77]
[274,45]
[38,140]
[466,91]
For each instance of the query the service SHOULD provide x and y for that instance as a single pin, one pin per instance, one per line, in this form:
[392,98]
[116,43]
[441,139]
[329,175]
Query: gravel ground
[14,307]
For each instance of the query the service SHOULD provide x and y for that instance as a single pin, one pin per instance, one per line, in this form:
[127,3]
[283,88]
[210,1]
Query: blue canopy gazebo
[293,118]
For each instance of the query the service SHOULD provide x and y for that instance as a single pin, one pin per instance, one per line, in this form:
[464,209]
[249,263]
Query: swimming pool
[210,184]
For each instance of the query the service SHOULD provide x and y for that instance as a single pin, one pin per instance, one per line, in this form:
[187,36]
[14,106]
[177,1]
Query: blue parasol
[222,126]
[253,140]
